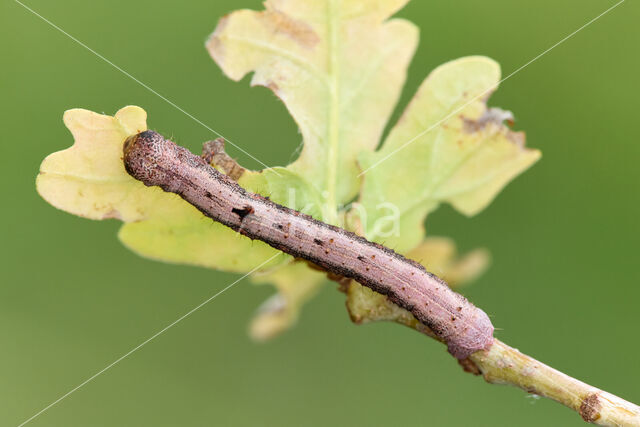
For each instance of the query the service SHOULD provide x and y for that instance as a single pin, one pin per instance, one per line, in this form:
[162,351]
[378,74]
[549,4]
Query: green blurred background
[563,286]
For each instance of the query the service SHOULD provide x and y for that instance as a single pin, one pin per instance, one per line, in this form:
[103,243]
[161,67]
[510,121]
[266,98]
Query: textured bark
[159,162]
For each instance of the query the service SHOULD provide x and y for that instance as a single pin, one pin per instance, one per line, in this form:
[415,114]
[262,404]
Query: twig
[426,302]
[502,364]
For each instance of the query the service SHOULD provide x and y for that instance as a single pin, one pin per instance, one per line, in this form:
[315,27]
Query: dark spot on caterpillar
[360,258]
[330,240]
[459,309]
[318,242]
[242,212]
[453,319]
[279,226]
[208,195]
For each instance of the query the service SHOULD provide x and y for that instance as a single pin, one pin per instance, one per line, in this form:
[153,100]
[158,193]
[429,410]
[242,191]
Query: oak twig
[502,364]
[426,302]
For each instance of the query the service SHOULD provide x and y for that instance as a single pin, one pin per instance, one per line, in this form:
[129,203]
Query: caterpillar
[156,161]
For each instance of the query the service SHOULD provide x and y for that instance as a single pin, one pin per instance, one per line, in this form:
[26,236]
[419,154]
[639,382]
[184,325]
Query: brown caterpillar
[152,159]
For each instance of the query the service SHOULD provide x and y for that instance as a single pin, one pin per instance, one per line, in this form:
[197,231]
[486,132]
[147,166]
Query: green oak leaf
[339,67]
[447,147]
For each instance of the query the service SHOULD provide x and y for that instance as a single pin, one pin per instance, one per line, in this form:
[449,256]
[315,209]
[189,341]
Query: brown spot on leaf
[273,86]
[518,138]
[112,214]
[490,116]
[297,31]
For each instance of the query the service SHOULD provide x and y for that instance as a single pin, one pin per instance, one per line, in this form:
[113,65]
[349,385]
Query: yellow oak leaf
[447,147]
[88,179]
[338,66]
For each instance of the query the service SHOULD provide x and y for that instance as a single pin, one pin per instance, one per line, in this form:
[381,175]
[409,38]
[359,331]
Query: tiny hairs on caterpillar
[156,161]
